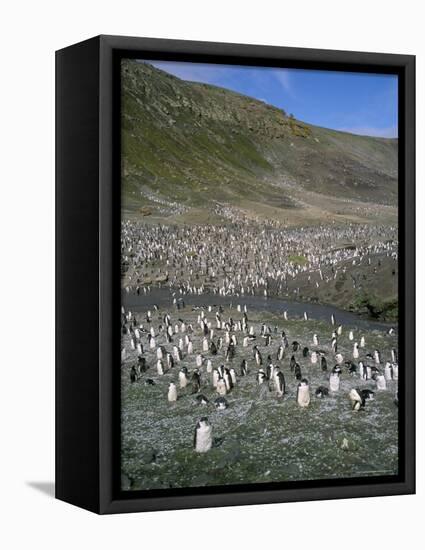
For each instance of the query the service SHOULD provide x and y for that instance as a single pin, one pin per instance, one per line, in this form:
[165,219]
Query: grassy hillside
[187,146]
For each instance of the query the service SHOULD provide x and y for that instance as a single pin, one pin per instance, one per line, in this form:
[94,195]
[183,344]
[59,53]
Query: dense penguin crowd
[209,351]
[212,371]
[248,259]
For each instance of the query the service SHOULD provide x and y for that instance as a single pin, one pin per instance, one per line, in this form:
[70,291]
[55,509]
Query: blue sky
[360,103]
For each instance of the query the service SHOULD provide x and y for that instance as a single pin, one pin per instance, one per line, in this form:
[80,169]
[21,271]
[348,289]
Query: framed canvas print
[235,274]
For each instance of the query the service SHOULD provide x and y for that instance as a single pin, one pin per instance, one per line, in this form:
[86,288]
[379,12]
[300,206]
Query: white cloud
[284,78]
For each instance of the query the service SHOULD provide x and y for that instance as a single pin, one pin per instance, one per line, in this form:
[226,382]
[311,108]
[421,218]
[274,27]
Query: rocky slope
[188,147]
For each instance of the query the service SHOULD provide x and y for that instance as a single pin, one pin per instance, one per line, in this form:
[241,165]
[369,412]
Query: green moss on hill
[191,143]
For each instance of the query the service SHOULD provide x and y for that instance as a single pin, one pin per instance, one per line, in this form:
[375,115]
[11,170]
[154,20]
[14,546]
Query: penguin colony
[219,366]
[201,357]
[244,259]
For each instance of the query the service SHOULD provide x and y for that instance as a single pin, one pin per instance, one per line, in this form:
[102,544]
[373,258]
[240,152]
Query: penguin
[394,356]
[149,382]
[357,400]
[337,370]
[388,371]
[368,394]
[334,381]
[205,344]
[257,356]
[356,350]
[215,377]
[295,346]
[203,436]
[321,392]
[303,393]
[176,351]
[221,404]
[196,381]
[315,340]
[209,366]
[352,368]
[395,371]
[221,387]
[213,348]
[362,342]
[233,376]
[305,351]
[170,360]
[280,384]
[297,371]
[261,376]
[133,374]
[313,357]
[230,352]
[292,363]
[339,358]
[369,372]
[201,400]
[172,392]
[377,356]
[381,383]
[323,363]
[244,368]
[270,371]
[351,336]
[228,380]
[160,367]
[280,353]
[142,363]
[183,377]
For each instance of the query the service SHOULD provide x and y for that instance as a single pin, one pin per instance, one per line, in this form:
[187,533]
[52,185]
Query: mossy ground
[259,438]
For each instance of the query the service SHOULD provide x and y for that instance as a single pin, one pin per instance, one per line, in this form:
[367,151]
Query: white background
[30,32]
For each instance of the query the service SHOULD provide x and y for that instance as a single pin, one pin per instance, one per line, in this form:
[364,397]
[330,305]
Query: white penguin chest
[203,439]
[303,396]
[172,394]
[334,382]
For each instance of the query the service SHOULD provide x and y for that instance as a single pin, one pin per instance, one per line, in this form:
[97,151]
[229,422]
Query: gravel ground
[260,437]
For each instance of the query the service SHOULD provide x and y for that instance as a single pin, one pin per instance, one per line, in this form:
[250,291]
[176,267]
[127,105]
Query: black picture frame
[88,272]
